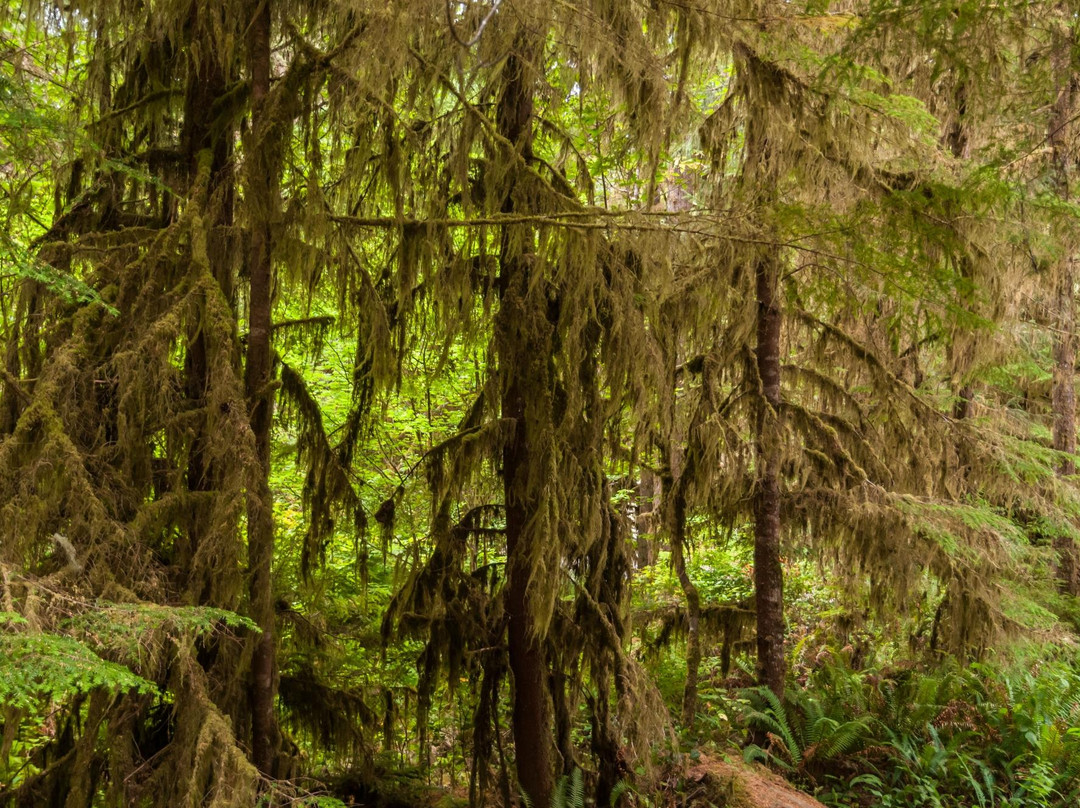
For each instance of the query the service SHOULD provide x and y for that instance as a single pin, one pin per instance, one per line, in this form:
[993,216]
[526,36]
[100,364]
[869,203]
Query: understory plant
[983,735]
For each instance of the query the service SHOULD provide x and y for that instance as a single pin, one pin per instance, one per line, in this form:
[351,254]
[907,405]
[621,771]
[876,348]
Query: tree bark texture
[693,604]
[207,83]
[768,573]
[1063,393]
[523,353]
[761,178]
[1063,397]
[257,377]
[959,144]
[1064,384]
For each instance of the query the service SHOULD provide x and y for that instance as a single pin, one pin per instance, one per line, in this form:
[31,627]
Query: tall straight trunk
[760,177]
[1063,394]
[959,144]
[673,491]
[1064,389]
[519,351]
[693,604]
[257,377]
[207,84]
[768,574]
[1064,309]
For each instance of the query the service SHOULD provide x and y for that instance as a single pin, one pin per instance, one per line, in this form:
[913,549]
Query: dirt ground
[734,784]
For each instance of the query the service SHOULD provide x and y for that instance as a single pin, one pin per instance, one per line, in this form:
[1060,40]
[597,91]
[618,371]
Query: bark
[768,574]
[604,738]
[1063,394]
[673,502]
[761,178]
[646,519]
[522,350]
[531,718]
[957,135]
[1064,390]
[960,146]
[23,355]
[257,377]
[1064,310]
[693,605]
[206,84]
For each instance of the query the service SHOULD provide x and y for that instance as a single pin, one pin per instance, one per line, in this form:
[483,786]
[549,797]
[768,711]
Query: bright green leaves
[54,668]
[134,631]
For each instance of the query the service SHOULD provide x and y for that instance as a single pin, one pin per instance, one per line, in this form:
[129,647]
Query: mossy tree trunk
[203,141]
[524,350]
[1063,394]
[768,573]
[673,490]
[257,384]
[761,177]
[959,143]
[693,604]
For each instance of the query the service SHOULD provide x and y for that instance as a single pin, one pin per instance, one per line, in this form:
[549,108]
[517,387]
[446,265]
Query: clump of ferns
[797,735]
[570,792]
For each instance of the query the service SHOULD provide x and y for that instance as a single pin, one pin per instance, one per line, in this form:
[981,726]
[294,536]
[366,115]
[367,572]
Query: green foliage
[982,736]
[46,668]
[570,791]
[800,733]
[888,167]
[22,262]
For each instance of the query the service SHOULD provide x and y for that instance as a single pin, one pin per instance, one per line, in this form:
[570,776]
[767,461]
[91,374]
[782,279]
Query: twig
[480,30]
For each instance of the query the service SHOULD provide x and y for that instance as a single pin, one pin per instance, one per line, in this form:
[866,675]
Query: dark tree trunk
[1063,395]
[1064,309]
[768,574]
[673,502]
[960,146]
[1064,390]
[531,717]
[521,350]
[207,83]
[604,738]
[646,520]
[23,355]
[693,604]
[257,377]
[761,180]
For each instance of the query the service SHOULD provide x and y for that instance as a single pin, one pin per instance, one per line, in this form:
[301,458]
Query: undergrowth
[951,737]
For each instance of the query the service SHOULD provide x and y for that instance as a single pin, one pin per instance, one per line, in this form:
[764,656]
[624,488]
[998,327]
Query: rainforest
[540,403]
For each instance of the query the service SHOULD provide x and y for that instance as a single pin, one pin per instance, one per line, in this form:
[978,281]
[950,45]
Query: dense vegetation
[538,402]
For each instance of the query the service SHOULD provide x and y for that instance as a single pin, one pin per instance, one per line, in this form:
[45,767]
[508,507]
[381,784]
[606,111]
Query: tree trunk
[693,604]
[1064,390]
[960,146]
[521,349]
[207,84]
[649,493]
[1064,408]
[760,179]
[531,717]
[1063,395]
[768,574]
[257,377]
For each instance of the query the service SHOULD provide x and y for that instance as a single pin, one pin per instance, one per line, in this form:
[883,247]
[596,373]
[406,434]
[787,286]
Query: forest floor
[711,781]
[734,784]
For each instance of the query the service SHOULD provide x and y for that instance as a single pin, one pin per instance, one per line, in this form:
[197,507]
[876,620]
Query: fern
[770,716]
[570,791]
[621,787]
[801,730]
